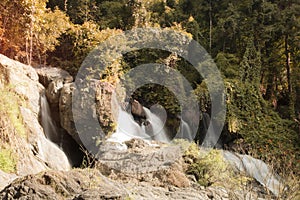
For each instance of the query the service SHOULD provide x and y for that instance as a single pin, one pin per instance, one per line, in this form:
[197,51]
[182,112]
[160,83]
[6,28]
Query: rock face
[101,110]
[143,171]
[142,162]
[35,153]
[59,86]
[75,184]
[53,79]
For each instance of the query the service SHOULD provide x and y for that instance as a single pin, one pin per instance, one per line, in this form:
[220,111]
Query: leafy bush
[211,169]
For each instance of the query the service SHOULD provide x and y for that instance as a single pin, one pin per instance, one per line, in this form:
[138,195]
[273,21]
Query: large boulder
[75,184]
[49,74]
[155,163]
[65,111]
[102,110]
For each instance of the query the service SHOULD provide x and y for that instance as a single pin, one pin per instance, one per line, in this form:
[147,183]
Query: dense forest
[255,44]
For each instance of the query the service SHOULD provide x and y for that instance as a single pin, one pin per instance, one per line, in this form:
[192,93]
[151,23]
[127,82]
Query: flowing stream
[128,128]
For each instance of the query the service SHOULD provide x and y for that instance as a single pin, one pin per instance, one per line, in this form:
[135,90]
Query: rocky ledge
[142,171]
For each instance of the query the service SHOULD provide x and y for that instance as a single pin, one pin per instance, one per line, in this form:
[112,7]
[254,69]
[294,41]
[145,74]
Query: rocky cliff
[21,132]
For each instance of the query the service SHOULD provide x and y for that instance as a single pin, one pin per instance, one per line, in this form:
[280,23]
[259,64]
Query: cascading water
[50,129]
[185,131]
[47,147]
[128,128]
[155,129]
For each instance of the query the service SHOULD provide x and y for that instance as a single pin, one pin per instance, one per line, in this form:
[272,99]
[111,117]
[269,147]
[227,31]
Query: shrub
[7,160]
[9,110]
[211,169]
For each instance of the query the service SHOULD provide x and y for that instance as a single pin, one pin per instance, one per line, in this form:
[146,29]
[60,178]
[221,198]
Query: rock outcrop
[143,171]
[27,141]
[53,79]
[102,110]
[156,164]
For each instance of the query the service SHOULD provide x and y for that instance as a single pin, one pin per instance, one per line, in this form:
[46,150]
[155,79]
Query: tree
[30,29]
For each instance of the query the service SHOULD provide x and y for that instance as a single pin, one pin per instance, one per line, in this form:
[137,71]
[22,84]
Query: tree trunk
[289,80]
[210,26]
[287,64]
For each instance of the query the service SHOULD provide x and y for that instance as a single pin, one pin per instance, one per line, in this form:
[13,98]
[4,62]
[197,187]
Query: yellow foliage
[233,125]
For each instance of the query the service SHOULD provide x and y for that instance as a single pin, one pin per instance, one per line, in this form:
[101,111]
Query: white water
[257,169]
[128,128]
[48,150]
[186,131]
[50,129]
[156,130]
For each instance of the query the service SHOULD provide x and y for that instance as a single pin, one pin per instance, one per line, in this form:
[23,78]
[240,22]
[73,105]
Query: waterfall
[50,129]
[211,138]
[185,131]
[155,129]
[128,128]
[48,149]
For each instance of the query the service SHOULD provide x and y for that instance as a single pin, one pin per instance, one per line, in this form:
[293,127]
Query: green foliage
[191,149]
[211,169]
[269,137]
[228,64]
[49,26]
[8,160]
[9,109]
[250,66]
[79,41]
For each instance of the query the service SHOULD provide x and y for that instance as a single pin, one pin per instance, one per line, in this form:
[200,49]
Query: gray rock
[35,153]
[99,111]
[65,111]
[53,91]
[158,165]
[53,79]
[23,79]
[6,179]
[76,184]
[50,74]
